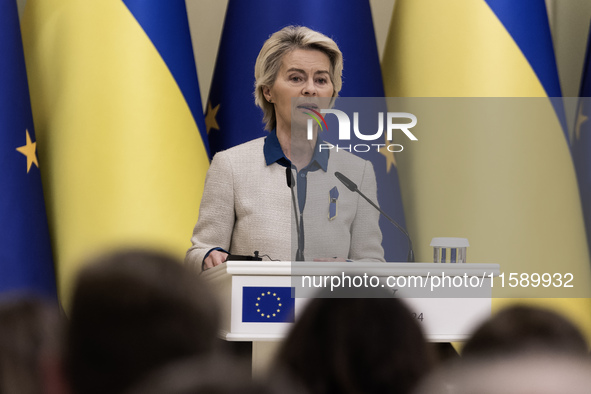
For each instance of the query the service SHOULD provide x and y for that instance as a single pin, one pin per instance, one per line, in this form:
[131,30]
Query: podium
[448,300]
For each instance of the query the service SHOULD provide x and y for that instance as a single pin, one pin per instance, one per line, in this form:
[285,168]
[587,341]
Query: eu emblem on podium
[267,305]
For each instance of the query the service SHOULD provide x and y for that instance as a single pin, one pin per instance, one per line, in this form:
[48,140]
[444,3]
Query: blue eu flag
[267,305]
[26,262]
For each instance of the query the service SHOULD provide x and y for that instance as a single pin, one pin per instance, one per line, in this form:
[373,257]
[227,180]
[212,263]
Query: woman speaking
[247,202]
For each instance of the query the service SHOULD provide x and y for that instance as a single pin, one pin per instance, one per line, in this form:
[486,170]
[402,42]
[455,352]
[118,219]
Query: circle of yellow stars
[279,305]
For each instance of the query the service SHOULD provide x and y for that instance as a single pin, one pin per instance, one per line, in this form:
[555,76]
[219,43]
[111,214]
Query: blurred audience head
[30,333]
[213,375]
[525,373]
[132,312]
[355,345]
[520,329]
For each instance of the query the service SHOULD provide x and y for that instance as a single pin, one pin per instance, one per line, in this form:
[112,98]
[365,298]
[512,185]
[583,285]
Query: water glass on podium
[449,250]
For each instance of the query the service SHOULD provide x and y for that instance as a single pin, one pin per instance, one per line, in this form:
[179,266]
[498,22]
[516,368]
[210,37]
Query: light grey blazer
[246,206]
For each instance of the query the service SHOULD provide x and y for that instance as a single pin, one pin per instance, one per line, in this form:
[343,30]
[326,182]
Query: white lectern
[448,300]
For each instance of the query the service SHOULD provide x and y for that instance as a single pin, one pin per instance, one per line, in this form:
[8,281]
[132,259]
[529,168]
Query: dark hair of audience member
[30,331]
[355,345]
[212,375]
[519,329]
[132,312]
[530,372]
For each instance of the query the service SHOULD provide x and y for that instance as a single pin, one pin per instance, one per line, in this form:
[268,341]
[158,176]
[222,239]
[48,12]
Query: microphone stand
[291,184]
[353,187]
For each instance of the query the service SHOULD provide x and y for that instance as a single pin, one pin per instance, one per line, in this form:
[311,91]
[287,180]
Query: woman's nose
[309,89]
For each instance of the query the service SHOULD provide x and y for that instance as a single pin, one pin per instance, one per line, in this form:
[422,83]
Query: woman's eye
[322,81]
[296,78]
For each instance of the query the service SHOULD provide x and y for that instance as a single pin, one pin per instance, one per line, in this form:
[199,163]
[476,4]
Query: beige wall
[569,20]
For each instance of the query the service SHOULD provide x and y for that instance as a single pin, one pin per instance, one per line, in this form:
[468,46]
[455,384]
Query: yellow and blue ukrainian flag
[513,194]
[26,262]
[232,118]
[117,107]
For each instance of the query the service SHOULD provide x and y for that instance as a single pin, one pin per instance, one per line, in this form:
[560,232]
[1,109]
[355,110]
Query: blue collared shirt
[274,154]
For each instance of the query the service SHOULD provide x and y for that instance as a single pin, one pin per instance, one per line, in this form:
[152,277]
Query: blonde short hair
[269,62]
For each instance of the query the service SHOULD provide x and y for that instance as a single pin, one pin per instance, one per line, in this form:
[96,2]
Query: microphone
[349,183]
[291,183]
[353,187]
[289,177]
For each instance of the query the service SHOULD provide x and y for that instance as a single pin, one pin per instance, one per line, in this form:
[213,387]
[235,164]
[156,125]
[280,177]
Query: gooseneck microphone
[289,178]
[291,184]
[353,187]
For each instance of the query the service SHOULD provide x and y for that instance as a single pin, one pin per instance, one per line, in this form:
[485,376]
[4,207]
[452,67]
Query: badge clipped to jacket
[333,196]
